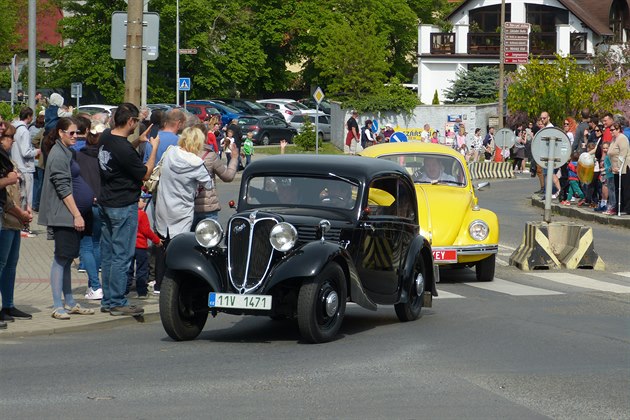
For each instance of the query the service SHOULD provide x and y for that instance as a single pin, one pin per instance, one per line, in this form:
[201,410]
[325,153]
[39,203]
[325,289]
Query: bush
[5,111]
[305,140]
[436,99]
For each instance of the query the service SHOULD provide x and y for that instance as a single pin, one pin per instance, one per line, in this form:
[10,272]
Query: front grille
[313,233]
[249,252]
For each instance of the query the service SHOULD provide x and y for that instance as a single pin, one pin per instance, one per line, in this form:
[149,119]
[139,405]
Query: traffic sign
[516,41]
[76,90]
[504,138]
[188,51]
[150,35]
[399,137]
[318,95]
[541,149]
[184,83]
[374,126]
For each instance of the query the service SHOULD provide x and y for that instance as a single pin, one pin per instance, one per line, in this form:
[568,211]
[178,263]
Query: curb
[586,214]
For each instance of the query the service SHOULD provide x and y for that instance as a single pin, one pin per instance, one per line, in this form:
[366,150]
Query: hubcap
[332,303]
[419,285]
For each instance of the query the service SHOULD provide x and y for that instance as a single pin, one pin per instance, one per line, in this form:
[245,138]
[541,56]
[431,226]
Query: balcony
[542,43]
[484,43]
[443,43]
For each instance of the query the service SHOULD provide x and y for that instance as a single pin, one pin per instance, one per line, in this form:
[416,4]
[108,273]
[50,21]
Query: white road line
[513,289]
[507,247]
[502,263]
[447,295]
[624,274]
[584,282]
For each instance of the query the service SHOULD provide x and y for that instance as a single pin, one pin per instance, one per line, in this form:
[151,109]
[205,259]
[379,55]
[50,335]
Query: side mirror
[482,185]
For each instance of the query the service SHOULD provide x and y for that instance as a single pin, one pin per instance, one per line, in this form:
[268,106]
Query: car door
[379,256]
[279,129]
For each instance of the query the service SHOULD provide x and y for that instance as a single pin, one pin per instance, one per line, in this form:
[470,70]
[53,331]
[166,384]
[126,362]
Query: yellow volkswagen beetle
[460,232]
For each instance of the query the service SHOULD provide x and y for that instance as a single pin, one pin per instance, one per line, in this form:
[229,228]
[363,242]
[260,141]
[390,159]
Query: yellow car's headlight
[208,233]
[478,230]
[283,236]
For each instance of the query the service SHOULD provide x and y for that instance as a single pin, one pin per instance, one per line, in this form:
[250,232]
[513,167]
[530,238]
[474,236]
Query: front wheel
[484,269]
[410,310]
[322,305]
[183,306]
[265,140]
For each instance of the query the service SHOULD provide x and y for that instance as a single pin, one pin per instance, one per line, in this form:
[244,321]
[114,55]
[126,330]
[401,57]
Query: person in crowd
[619,154]
[207,203]
[352,137]
[475,147]
[519,152]
[60,210]
[174,123]
[212,138]
[460,141]
[139,267]
[227,142]
[237,135]
[14,216]
[594,188]
[434,137]
[55,111]
[488,145]
[366,134]
[183,172]
[610,190]
[606,177]
[425,136]
[608,121]
[90,247]
[574,182]
[388,131]
[36,131]
[84,124]
[122,173]
[248,148]
[570,127]
[23,154]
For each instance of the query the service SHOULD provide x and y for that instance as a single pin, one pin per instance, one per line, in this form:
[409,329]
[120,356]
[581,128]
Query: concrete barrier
[556,245]
[485,170]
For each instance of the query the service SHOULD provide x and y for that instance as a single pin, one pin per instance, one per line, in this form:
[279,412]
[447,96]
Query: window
[488,19]
[618,20]
[406,204]
[298,119]
[578,43]
[382,197]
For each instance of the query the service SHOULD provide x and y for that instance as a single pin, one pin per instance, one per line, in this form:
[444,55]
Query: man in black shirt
[122,173]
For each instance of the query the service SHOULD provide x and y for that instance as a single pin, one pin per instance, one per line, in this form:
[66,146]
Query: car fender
[184,254]
[418,249]
[309,260]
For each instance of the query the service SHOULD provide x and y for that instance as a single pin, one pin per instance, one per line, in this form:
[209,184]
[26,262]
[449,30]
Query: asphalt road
[527,345]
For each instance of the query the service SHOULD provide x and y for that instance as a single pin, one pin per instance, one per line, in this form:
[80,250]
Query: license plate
[446,255]
[232,300]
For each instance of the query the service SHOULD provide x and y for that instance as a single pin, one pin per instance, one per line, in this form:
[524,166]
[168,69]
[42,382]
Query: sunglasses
[71,133]
[614,129]
[566,123]
[598,131]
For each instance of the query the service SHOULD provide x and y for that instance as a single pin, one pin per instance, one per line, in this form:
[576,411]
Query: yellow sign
[318,95]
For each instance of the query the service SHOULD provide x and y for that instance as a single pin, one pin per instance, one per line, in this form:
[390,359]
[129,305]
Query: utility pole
[133,52]
[32,53]
[501,66]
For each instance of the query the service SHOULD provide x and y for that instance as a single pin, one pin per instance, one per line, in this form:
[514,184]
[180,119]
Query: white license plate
[232,300]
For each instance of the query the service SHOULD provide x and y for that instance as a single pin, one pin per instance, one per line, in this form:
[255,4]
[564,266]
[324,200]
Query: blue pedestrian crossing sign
[398,137]
[184,83]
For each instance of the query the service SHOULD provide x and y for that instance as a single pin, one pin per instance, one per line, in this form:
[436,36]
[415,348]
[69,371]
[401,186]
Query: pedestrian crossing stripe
[624,274]
[583,282]
[448,295]
[513,289]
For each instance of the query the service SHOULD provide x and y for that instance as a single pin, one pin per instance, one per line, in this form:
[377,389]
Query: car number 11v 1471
[232,300]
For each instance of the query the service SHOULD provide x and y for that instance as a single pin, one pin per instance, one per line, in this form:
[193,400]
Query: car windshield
[254,105]
[247,121]
[300,105]
[227,108]
[431,168]
[296,191]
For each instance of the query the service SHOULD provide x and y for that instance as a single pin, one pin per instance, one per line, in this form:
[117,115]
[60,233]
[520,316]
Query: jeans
[118,244]
[90,250]
[141,263]
[38,181]
[206,215]
[9,255]
[612,194]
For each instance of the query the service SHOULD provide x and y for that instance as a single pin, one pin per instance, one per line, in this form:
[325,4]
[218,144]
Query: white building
[576,27]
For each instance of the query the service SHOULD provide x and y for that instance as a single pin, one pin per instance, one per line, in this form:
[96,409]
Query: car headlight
[478,230]
[283,237]
[208,233]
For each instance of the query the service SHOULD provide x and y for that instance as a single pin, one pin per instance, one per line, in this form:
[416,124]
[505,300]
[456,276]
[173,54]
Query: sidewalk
[585,214]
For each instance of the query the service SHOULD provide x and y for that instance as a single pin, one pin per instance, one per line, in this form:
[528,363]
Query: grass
[325,148]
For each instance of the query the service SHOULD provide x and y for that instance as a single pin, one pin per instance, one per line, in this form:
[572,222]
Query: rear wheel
[322,305]
[484,269]
[410,310]
[265,139]
[183,306]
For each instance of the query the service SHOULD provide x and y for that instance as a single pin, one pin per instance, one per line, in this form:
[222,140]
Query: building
[470,36]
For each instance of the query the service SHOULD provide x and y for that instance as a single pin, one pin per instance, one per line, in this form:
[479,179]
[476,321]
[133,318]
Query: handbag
[151,184]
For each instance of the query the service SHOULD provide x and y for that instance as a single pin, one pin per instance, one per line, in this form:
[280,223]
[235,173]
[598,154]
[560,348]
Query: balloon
[586,165]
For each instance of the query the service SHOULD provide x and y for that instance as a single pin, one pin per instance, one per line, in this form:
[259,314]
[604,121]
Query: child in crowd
[140,261]
[611,204]
[227,140]
[574,182]
[247,148]
[603,201]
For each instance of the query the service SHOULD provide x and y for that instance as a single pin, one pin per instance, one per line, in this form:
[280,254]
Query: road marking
[584,282]
[624,274]
[447,295]
[502,263]
[513,289]
[507,247]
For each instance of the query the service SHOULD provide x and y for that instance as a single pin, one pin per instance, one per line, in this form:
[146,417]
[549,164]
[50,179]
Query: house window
[443,43]
[578,43]
[488,19]
[618,20]
[545,18]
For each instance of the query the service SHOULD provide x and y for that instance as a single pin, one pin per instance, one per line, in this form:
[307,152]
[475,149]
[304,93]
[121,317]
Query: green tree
[8,24]
[436,98]
[305,140]
[473,86]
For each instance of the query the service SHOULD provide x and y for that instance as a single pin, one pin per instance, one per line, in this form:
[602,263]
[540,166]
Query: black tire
[321,136]
[410,310]
[484,269]
[178,299]
[315,323]
[265,140]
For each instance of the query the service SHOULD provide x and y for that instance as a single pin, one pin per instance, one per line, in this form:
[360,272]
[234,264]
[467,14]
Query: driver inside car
[337,194]
[433,172]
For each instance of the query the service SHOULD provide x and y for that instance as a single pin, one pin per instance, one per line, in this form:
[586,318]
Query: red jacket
[144,231]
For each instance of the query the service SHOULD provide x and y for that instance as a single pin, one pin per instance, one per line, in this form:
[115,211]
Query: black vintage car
[310,234]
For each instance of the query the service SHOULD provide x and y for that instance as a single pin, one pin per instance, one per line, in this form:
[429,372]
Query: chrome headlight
[208,233]
[283,237]
[478,230]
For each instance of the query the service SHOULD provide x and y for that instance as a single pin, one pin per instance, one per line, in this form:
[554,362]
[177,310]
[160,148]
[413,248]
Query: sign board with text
[516,43]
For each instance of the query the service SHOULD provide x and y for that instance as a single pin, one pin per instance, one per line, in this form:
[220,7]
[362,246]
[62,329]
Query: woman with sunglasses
[619,154]
[60,209]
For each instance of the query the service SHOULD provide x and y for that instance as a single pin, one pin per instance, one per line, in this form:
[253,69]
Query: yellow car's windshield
[431,168]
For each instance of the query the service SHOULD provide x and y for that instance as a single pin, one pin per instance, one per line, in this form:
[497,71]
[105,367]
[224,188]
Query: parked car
[168,107]
[266,129]
[249,107]
[308,236]
[297,122]
[461,233]
[227,112]
[311,104]
[97,109]
[286,107]
[203,111]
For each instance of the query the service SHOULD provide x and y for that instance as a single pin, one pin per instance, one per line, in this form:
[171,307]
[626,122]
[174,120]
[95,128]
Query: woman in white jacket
[182,173]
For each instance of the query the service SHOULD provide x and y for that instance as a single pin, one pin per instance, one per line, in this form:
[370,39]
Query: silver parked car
[297,122]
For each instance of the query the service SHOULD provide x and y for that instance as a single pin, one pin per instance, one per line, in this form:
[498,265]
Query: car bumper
[463,254]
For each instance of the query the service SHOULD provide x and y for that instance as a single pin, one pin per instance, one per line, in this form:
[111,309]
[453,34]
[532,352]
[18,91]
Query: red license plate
[447,255]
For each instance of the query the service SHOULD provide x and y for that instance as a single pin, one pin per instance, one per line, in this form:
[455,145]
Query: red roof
[48,16]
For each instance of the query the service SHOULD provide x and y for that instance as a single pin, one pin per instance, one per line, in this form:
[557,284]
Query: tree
[8,24]
[473,86]
[436,98]
[563,88]
[305,140]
